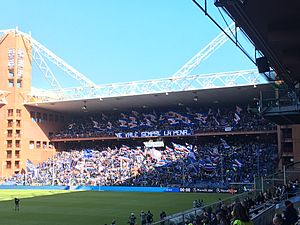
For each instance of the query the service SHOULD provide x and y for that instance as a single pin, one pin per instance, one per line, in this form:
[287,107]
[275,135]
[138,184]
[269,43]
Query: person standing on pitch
[17,204]
[149,217]
[132,219]
[143,218]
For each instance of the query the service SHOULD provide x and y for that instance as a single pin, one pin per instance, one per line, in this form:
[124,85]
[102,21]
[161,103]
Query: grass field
[91,208]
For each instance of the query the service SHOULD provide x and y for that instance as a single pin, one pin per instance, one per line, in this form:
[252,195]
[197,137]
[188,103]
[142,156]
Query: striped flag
[30,166]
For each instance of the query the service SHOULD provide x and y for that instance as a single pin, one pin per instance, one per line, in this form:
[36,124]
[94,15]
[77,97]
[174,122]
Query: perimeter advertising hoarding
[206,190]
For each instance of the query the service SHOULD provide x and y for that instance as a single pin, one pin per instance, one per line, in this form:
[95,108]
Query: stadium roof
[273,26]
[233,95]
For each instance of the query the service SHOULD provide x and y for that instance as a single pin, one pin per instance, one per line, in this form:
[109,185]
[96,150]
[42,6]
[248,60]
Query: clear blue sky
[117,40]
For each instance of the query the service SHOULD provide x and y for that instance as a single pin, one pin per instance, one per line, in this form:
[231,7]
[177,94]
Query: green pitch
[91,208]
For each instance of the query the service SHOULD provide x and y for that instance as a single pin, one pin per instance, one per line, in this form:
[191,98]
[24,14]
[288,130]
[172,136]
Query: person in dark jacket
[290,213]
[240,215]
[149,217]
[17,204]
[132,219]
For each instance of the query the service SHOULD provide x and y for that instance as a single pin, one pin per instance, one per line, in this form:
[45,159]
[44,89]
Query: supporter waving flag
[237,115]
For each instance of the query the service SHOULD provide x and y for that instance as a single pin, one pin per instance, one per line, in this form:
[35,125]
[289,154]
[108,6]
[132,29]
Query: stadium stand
[209,119]
[215,162]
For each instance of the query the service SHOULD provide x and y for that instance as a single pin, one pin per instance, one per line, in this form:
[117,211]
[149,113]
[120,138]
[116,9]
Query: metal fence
[289,173]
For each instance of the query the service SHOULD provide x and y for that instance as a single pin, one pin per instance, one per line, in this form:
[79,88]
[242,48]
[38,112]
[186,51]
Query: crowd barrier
[264,215]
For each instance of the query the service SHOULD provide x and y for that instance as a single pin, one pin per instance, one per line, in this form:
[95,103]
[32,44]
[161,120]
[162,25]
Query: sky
[120,41]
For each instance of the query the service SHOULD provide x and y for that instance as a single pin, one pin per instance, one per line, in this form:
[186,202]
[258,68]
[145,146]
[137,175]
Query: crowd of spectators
[217,163]
[242,210]
[234,118]
[235,213]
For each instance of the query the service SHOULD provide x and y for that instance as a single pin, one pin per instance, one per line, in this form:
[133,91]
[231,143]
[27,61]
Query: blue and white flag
[135,113]
[161,119]
[238,163]
[201,117]
[168,149]
[224,143]
[209,167]
[180,148]
[150,117]
[123,115]
[217,122]
[87,153]
[238,109]
[71,125]
[96,124]
[109,125]
[161,163]
[132,125]
[237,115]
[30,166]
[236,118]
[123,123]
[133,119]
[173,121]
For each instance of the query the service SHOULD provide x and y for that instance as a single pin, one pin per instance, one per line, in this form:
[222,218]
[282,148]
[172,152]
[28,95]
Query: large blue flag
[30,166]
[87,153]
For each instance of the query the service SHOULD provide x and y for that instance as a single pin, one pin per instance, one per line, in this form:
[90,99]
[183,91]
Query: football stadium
[218,148]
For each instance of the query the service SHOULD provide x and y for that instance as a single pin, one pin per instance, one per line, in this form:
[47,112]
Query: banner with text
[207,190]
[156,133]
